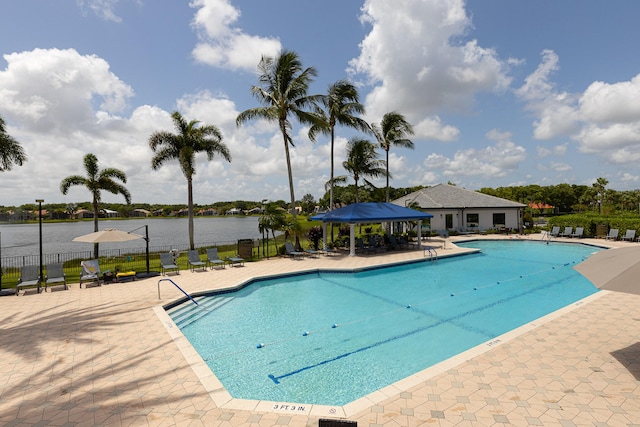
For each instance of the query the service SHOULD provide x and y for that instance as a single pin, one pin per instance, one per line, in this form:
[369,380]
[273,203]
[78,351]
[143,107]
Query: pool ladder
[176,285]
[433,255]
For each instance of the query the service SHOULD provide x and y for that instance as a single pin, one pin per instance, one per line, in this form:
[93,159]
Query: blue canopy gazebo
[358,213]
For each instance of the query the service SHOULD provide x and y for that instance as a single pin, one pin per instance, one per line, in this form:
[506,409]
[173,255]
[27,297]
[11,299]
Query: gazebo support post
[352,239]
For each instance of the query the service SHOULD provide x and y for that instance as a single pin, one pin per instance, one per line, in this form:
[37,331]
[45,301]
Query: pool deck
[102,357]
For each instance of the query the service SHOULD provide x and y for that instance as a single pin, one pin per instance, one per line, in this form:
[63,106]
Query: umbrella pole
[146,239]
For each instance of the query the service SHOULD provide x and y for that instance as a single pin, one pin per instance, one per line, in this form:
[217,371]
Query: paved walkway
[101,357]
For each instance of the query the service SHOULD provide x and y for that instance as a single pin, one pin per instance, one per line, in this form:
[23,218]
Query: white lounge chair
[612,235]
[555,231]
[568,231]
[579,232]
[630,235]
[90,272]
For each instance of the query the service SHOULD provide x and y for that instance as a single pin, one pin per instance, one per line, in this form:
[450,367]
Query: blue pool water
[331,338]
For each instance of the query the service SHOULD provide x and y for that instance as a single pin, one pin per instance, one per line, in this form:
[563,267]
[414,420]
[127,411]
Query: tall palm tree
[183,146]
[362,161]
[283,88]
[96,181]
[10,150]
[341,106]
[392,130]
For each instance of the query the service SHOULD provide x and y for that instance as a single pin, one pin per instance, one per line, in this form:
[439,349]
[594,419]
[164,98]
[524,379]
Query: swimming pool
[329,338]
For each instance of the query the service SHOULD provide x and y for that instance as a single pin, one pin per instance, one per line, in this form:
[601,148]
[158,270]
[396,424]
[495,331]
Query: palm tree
[10,150]
[392,130]
[272,219]
[96,181]
[342,106]
[283,92]
[183,146]
[362,161]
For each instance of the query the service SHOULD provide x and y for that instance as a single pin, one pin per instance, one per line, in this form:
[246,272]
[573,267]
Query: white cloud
[558,150]
[413,59]
[493,161]
[61,105]
[225,46]
[560,166]
[556,112]
[102,8]
[603,120]
[56,89]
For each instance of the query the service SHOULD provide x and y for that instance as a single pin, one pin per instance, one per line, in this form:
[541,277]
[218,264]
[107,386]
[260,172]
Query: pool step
[185,314]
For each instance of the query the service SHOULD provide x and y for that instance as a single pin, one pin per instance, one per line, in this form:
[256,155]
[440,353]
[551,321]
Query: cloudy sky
[500,93]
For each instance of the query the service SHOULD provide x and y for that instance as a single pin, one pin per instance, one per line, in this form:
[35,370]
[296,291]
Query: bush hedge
[591,223]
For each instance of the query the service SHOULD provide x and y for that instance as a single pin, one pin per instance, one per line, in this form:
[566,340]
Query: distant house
[458,209]
[140,213]
[108,213]
[234,211]
[207,212]
[254,211]
[542,207]
[43,212]
[83,213]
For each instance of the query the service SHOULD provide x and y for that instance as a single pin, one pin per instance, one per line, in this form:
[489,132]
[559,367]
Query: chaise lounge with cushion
[90,272]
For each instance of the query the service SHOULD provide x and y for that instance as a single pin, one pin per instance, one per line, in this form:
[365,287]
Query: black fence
[115,259]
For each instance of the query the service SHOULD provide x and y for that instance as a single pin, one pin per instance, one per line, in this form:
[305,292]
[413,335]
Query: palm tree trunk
[356,186]
[387,161]
[96,249]
[293,197]
[331,182]
[190,210]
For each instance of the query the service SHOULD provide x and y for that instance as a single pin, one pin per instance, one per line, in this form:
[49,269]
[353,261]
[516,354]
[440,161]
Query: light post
[39,201]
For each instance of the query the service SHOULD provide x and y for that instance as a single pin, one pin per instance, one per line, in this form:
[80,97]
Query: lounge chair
[555,231]
[213,259]
[55,276]
[568,231]
[579,232]
[630,235]
[29,276]
[362,248]
[167,264]
[312,253]
[90,272]
[393,242]
[235,261]
[289,249]
[195,261]
[612,235]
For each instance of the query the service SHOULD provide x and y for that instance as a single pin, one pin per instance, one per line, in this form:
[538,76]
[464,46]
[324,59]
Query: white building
[458,209]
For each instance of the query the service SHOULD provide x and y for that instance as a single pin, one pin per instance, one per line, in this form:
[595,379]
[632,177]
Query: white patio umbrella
[613,269]
[108,235]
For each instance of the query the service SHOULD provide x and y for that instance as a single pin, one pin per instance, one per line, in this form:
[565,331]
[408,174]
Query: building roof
[371,212]
[445,196]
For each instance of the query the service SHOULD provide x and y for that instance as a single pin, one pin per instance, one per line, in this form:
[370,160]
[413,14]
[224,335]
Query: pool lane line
[441,321]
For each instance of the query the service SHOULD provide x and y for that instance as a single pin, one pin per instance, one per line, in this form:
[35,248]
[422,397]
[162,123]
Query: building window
[499,220]
[473,219]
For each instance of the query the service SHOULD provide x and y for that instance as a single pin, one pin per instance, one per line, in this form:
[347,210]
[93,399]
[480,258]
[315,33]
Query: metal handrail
[432,252]
[176,285]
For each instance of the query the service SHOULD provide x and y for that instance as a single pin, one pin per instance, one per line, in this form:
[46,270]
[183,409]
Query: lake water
[23,239]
